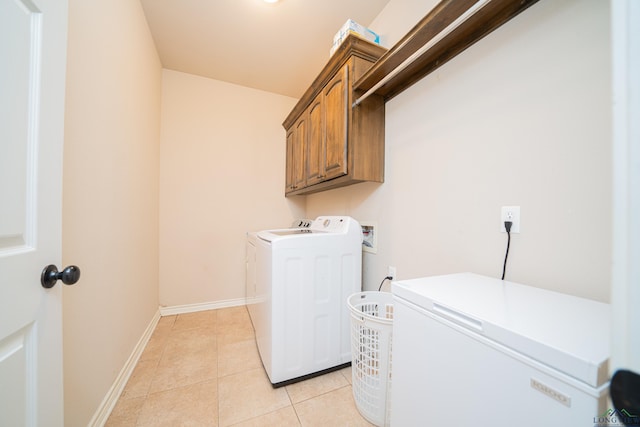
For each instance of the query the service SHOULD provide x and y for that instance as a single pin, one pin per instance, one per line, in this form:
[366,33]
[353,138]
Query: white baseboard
[109,402]
[192,308]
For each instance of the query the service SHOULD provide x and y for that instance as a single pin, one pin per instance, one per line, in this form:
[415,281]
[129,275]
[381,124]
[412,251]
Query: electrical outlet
[392,272]
[510,213]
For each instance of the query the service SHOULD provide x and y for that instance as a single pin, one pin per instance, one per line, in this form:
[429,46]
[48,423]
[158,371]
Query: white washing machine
[298,281]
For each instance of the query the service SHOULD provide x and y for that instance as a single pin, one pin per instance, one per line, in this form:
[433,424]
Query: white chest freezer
[470,350]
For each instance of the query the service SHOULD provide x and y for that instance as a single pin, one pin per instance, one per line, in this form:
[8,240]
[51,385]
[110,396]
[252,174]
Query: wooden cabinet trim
[352,46]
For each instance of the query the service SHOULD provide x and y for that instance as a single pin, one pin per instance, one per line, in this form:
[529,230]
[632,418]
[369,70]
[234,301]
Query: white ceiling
[277,47]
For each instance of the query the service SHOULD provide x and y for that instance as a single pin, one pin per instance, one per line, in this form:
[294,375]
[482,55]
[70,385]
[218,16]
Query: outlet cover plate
[392,272]
[510,213]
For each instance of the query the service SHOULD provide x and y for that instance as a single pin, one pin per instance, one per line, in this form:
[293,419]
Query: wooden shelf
[484,21]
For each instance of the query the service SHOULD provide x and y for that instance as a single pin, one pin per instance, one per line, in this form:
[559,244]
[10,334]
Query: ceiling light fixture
[270,1]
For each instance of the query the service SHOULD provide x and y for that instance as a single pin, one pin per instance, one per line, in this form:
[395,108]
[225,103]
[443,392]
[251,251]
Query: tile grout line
[293,406]
[217,335]
[155,370]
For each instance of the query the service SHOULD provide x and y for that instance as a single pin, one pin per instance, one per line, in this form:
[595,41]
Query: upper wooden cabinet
[332,143]
[336,144]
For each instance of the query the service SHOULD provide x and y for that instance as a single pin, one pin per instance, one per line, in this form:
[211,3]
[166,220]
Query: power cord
[386,278]
[507,226]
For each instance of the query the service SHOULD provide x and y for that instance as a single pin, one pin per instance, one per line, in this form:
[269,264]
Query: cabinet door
[291,133]
[299,145]
[336,98]
[296,154]
[315,141]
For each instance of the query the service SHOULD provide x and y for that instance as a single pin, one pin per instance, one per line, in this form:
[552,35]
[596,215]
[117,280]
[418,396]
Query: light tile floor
[203,369]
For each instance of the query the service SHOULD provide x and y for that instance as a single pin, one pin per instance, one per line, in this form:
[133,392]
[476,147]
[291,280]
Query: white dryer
[298,282]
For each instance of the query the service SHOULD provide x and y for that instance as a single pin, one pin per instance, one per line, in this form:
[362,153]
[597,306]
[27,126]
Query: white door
[625,298]
[33,37]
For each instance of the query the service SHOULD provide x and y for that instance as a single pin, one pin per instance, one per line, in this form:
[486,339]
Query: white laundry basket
[371,330]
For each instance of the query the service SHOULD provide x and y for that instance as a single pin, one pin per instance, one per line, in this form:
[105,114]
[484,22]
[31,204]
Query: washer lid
[568,333]
[293,232]
[287,233]
[321,226]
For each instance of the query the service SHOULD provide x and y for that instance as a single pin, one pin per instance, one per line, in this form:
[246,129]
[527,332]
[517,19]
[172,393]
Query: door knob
[50,275]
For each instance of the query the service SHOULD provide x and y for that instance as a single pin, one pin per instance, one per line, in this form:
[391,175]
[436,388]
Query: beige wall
[110,204]
[222,162]
[521,118]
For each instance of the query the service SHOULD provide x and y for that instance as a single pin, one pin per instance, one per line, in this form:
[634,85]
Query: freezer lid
[568,333]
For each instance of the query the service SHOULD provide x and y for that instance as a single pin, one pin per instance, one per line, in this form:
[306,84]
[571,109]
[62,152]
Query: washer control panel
[332,224]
